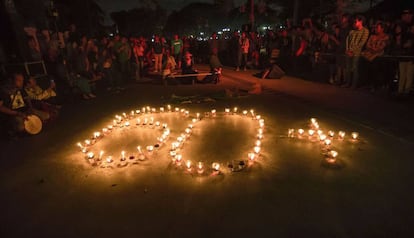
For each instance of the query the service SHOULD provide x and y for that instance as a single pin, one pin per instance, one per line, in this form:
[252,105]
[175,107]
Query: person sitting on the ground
[35,92]
[215,68]
[169,64]
[83,84]
[41,99]
[16,105]
[187,68]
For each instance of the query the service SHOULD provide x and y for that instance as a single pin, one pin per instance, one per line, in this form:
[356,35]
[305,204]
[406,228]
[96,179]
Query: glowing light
[311,132]
[251,156]
[188,164]
[328,142]
[216,166]
[355,135]
[341,134]
[301,131]
[257,149]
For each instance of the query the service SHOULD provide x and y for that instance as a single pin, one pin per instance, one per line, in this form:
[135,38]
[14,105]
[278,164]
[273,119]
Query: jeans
[158,62]
[351,72]
[406,77]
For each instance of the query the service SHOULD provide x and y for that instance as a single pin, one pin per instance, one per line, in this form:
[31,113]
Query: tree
[145,20]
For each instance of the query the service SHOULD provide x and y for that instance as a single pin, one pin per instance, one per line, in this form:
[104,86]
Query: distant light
[201,33]
[220,32]
[111,34]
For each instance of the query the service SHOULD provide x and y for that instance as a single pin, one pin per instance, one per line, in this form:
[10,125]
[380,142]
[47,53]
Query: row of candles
[315,133]
[176,146]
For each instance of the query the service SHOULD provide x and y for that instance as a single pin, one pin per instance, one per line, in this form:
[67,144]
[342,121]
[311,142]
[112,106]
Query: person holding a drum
[16,105]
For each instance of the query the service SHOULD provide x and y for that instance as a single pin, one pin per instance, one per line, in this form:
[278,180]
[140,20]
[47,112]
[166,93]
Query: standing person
[375,47]
[157,51]
[213,43]
[139,58]
[244,45]
[406,66]
[124,53]
[341,35]
[355,41]
[177,49]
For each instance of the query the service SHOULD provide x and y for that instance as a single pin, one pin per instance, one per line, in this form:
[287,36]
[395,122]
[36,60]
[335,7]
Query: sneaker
[91,95]
[237,69]
[244,69]
[85,97]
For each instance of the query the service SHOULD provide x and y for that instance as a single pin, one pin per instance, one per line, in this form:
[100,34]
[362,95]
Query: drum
[33,125]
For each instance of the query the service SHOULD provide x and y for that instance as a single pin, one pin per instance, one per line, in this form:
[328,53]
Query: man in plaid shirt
[354,43]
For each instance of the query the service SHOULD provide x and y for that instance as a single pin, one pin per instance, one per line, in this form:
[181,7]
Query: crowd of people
[352,52]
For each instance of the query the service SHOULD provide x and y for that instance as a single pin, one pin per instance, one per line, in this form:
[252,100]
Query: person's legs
[347,71]
[239,60]
[245,61]
[17,124]
[410,75]
[403,77]
[355,71]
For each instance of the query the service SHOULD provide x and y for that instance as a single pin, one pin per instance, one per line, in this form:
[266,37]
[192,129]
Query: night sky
[111,5]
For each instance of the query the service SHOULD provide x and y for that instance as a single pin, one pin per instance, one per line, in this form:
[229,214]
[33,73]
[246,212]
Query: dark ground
[48,190]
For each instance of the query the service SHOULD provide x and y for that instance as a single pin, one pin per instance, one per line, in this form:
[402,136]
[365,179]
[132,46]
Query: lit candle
[90,155]
[153,110]
[123,155]
[145,121]
[260,131]
[169,108]
[161,109]
[251,156]
[198,116]
[320,132]
[177,109]
[150,148]
[101,154]
[227,110]
[216,166]
[354,135]
[109,159]
[200,168]
[194,120]
[235,110]
[244,113]
[341,134]
[132,113]
[257,149]
[291,132]
[188,131]
[80,145]
[331,133]
[258,117]
[313,120]
[178,158]
[127,124]
[322,137]
[157,123]
[105,130]
[173,153]
[137,111]
[301,131]
[259,136]
[110,127]
[87,142]
[328,142]
[311,132]
[332,157]
[258,143]
[213,112]
[188,164]
[139,149]
[124,114]
[114,122]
